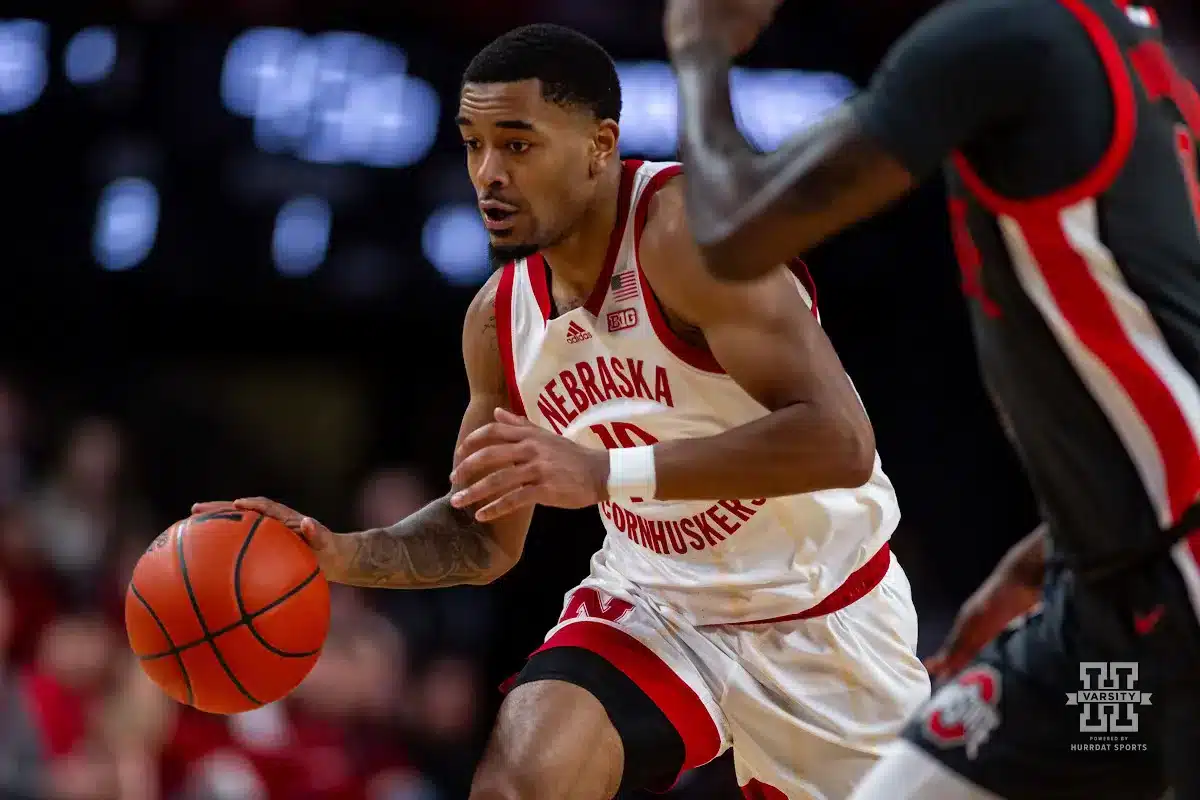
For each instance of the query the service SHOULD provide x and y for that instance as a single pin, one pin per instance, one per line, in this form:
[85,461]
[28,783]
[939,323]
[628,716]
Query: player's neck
[577,261]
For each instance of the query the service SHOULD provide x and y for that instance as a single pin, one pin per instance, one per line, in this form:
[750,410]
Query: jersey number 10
[623,434]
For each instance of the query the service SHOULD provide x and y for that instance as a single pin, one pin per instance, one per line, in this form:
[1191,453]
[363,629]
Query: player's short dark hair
[574,70]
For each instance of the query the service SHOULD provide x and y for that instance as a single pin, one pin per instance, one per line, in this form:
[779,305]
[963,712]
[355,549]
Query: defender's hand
[1003,597]
[732,25]
[324,542]
[511,464]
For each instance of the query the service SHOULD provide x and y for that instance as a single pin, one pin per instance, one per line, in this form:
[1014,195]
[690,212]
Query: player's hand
[324,542]
[1008,593]
[511,464]
[732,25]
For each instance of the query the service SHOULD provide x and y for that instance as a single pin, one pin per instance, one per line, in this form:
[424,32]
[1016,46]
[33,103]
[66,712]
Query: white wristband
[631,473]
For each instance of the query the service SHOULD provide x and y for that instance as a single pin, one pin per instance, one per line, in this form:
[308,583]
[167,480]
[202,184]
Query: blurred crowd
[78,719]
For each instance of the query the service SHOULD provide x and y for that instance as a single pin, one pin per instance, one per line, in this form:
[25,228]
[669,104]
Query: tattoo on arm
[436,546]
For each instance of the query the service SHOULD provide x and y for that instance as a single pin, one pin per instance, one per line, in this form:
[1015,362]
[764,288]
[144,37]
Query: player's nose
[491,173]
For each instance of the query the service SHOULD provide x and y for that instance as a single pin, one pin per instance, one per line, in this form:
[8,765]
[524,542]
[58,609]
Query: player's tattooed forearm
[436,546]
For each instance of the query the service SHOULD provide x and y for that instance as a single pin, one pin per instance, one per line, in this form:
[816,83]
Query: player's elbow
[852,451]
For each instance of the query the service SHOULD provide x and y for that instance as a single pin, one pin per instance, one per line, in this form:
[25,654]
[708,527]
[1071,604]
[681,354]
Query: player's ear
[604,145]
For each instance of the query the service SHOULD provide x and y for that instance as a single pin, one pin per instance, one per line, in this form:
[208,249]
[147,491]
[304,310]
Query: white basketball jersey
[612,374]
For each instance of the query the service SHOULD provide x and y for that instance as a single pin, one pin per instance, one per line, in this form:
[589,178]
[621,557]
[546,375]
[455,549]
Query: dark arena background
[237,243]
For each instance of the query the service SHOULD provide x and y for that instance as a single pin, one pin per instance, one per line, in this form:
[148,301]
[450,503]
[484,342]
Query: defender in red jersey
[1069,140]
[745,596]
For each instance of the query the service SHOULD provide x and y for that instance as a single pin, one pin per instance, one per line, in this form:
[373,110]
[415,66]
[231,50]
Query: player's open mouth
[497,216]
[496,220]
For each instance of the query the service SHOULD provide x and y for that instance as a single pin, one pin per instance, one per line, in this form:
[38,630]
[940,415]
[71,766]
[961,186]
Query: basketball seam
[245,620]
[187,682]
[237,595]
[187,583]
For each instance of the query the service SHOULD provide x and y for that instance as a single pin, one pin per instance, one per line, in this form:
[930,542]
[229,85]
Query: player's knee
[552,740]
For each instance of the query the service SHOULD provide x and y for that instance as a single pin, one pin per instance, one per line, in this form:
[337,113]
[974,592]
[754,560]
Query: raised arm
[439,545]
[815,435]
[965,67]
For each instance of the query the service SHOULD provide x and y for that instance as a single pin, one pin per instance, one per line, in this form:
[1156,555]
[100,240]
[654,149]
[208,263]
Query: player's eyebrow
[508,124]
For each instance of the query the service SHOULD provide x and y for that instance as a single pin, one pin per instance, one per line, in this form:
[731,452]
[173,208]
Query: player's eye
[518,146]
[471,145]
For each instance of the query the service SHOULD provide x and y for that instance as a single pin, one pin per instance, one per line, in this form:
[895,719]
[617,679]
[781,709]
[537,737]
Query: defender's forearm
[750,211]
[1027,558]
[798,449]
[436,546]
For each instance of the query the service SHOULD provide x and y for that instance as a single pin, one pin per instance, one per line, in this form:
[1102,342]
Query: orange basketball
[227,611]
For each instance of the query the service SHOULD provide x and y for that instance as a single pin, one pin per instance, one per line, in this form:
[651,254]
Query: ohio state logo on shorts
[964,712]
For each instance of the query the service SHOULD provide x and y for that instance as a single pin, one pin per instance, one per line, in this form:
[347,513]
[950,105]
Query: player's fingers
[209,506]
[268,508]
[492,433]
[505,416]
[317,535]
[492,486]
[486,461]
[525,496]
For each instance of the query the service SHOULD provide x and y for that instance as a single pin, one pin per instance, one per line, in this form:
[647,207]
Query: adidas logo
[576,334]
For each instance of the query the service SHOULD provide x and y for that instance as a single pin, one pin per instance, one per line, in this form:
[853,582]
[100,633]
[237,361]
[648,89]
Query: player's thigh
[622,653]
[1003,724]
[552,740]
[817,700]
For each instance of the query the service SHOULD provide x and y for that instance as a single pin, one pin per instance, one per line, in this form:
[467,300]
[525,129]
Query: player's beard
[507,253]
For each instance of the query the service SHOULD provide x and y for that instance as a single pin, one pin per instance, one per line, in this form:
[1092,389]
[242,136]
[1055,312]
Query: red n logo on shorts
[589,603]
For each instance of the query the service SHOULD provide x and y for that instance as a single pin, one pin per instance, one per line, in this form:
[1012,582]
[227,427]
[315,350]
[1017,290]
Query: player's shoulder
[674,268]
[667,251]
[479,322]
[962,22]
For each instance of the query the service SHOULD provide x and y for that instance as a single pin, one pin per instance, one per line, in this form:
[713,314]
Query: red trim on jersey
[535,268]
[624,197]
[757,790]
[678,701]
[860,584]
[697,357]
[504,333]
[1162,80]
[1124,128]
[800,270]
[1085,307]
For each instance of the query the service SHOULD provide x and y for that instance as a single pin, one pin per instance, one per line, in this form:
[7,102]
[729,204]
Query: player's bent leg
[909,773]
[607,704]
[552,740]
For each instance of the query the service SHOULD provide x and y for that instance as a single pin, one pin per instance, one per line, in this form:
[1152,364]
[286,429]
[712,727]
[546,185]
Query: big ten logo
[1109,700]
[964,712]
[588,603]
[614,435]
[621,319]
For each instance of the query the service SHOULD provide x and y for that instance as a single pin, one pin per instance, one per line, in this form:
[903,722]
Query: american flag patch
[625,285]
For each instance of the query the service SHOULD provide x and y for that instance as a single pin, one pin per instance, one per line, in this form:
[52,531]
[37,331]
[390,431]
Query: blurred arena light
[301,239]
[456,243]
[331,98]
[769,105]
[126,223]
[23,66]
[90,55]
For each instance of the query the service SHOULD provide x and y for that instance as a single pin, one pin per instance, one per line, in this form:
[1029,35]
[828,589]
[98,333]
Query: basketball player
[1071,143]
[745,595]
